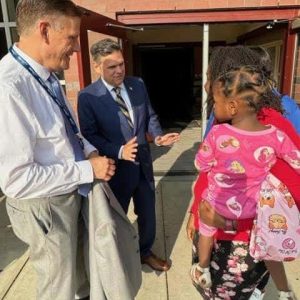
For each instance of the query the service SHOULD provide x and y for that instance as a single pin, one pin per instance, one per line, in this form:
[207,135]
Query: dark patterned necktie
[74,139]
[123,107]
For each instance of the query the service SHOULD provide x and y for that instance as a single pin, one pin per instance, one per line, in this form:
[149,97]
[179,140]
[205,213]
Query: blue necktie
[74,139]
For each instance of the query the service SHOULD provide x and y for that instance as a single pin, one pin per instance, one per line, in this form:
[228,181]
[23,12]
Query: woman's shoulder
[269,116]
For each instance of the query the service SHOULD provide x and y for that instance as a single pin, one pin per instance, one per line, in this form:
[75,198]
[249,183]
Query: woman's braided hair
[226,59]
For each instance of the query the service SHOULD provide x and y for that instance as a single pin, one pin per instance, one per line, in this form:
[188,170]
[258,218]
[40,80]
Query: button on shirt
[36,157]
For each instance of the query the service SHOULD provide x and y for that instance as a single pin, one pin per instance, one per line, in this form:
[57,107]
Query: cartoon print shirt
[237,162]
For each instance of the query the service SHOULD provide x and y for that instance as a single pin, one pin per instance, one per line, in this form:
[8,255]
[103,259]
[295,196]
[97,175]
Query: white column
[205,54]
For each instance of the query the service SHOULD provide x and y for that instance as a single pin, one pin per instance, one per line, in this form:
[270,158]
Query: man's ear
[44,30]
[97,67]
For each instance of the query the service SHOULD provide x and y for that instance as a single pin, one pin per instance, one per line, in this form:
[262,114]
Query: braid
[251,84]
[224,59]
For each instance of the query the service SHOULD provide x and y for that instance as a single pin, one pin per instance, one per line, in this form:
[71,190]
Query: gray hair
[29,11]
[103,48]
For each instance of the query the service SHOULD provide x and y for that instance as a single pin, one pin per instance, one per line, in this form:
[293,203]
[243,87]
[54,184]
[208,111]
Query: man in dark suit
[115,114]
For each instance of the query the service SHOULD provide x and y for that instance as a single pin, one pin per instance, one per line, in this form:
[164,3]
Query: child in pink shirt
[238,157]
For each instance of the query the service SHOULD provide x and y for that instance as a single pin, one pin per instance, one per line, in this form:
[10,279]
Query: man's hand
[190,227]
[167,139]
[209,216]
[103,167]
[93,154]
[130,150]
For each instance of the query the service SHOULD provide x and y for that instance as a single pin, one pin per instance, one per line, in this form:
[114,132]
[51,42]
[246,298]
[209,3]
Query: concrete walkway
[174,175]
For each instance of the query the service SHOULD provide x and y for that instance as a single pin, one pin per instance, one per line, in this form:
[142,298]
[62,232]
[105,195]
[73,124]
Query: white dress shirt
[126,99]
[124,95]
[36,157]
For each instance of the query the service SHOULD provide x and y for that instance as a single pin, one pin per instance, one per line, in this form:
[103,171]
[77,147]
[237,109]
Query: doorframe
[208,16]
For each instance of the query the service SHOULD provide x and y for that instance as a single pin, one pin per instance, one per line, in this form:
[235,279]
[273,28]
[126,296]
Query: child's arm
[205,158]
[288,151]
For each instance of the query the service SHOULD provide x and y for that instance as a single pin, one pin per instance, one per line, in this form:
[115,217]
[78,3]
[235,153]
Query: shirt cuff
[86,171]
[120,152]
[88,148]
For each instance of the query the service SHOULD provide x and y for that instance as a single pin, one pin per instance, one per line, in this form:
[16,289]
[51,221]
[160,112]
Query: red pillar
[288,60]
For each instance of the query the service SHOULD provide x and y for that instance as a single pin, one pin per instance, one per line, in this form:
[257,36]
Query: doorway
[168,74]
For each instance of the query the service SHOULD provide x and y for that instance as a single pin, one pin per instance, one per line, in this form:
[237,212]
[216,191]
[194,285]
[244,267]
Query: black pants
[234,273]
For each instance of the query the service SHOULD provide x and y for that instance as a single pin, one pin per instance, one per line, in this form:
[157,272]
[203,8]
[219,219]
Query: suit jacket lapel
[110,102]
[113,201]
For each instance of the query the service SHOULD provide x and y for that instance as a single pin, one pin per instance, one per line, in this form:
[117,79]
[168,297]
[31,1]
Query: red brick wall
[110,7]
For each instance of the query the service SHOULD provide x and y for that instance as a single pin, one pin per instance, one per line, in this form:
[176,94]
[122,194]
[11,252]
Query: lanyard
[63,108]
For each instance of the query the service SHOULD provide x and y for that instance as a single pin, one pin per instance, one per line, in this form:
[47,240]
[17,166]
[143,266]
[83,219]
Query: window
[8,32]
[1,15]
[11,9]
[3,47]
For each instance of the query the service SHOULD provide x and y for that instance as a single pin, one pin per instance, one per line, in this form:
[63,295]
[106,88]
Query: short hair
[29,11]
[103,48]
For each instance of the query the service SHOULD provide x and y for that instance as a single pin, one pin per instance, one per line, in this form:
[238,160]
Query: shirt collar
[111,87]
[38,68]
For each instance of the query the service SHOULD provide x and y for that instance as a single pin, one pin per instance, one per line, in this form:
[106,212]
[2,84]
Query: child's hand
[190,227]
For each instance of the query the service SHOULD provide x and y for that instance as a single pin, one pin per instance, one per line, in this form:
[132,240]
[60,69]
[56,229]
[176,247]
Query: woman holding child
[235,275]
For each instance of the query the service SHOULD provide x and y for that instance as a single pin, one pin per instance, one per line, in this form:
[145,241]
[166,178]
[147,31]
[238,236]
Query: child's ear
[232,107]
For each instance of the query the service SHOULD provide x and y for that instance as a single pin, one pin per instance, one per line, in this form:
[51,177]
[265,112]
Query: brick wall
[110,7]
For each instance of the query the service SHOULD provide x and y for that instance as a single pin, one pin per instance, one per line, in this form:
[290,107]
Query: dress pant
[131,183]
[49,227]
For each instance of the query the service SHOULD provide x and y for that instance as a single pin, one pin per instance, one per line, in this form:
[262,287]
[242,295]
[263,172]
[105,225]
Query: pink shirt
[238,161]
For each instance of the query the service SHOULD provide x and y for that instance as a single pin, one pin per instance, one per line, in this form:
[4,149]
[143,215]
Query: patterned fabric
[122,105]
[238,161]
[276,234]
[234,273]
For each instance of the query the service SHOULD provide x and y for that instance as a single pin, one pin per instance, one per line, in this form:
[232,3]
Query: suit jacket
[104,125]
[114,259]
